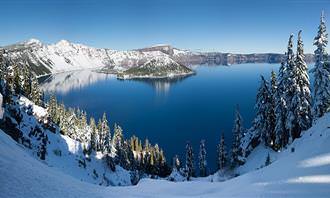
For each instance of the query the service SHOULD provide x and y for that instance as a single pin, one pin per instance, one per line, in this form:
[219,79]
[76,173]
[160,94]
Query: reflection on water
[68,81]
[65,82]
[162,85]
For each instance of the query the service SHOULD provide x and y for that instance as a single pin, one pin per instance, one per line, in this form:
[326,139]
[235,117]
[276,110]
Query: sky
[237,26]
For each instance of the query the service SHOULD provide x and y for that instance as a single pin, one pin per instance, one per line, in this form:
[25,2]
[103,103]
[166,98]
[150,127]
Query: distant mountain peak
[161,45]
[63,43]
[33,41]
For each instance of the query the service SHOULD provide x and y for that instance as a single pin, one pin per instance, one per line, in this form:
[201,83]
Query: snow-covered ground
[304,172]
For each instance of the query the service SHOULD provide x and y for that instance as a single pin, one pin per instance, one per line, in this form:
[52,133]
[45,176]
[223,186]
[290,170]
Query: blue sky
[206,25]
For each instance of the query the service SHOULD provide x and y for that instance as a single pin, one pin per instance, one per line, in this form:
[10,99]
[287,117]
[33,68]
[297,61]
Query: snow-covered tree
[238,132]
[17,80]
[202,159]
[222,155]
[264,122]
[321,70]
[26,81]
[106,135]
[190,170]
[302,98]
[94,134]
[291,89]
[117,145]
[282,135]
[176,163]
[297,94]
[35,94]
[52,107]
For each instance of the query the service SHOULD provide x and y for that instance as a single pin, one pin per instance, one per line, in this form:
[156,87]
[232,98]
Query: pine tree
[35,94]
[117,145]
[237,151]
[83,120]
[176,163]
[222,155]
[94,132]
[190,170]
[290,90]
[321,70]
[264,122]
[106,134]
[52,107]
[17,80]
[202,159]
[282,136]
[302,98]
[26,80]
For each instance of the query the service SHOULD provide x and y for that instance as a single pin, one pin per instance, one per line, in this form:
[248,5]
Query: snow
[302,173]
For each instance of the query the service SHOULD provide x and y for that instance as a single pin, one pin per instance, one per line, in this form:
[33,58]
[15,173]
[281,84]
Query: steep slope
[302,173]
[157,68]
[60,57]
[25,122]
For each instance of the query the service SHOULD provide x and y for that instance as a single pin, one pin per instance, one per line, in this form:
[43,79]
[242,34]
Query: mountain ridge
[64,56]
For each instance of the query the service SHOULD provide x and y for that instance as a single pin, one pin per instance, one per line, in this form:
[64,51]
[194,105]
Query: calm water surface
[168,112]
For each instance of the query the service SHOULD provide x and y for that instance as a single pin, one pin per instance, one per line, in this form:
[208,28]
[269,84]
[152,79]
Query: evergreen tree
[83,120]
[190,170]
[52,107]
[17,80]
[176,163]
[26,80]
[237,135]
[117,145]
[237,151]
[222,155]
[107,137]
[202,159]
[302,98]
[321,70]
[290,90]
[94,132]
[264,122]
[35,94]
[282,136]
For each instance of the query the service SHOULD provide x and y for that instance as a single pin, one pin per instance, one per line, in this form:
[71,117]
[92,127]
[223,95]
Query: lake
[168,112]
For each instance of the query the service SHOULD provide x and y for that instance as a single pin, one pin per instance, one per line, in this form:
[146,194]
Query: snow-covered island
[156,68]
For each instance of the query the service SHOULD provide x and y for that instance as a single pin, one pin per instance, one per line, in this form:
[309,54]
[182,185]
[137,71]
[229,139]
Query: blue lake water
[167,112]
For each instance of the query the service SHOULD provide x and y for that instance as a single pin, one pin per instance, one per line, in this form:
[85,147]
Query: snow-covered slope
[302,173]
[61,152]
[66,56]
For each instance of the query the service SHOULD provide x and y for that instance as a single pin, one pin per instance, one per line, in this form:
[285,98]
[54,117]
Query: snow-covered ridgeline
[66,56]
